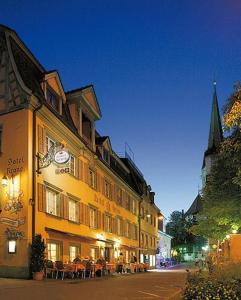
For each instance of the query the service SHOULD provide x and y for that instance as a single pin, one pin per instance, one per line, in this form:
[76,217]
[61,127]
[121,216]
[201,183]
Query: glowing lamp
[12,246]
[4,181]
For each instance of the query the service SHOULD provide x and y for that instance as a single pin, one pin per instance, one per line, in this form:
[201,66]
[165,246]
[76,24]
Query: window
[133,209]
[72,165]
[106,155]
[92,175]
[127,229]
[107,189]
[50,143]
[53,99]
[73,252]
[118,225]
[94,253]
[53,251]
[93,218]
[107,223]
[119,195]
[142,213]
[128,202]
[73,210]
[53,202]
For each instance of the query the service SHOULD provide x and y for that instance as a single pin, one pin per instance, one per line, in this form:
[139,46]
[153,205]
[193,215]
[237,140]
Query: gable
[107,144]
[90,97]
[54,82]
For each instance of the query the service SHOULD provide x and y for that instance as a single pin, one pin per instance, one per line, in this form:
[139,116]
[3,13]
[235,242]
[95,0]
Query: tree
[232,110]
[179,228]
[222,194]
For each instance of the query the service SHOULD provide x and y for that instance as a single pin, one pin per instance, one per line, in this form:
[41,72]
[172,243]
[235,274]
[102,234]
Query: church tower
[214,140]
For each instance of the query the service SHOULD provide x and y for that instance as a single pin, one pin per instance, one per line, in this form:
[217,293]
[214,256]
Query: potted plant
[37,257]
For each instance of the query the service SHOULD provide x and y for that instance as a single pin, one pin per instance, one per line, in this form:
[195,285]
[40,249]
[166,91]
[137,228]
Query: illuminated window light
[12,246]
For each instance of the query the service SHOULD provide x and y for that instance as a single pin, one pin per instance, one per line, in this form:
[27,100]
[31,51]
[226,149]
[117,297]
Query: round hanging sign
[61,157]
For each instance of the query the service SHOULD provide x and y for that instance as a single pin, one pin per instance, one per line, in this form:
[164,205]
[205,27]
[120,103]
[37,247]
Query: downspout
[33,200]
[139,223]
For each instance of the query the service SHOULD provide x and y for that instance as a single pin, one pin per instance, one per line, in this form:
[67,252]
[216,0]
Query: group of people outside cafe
[120,266]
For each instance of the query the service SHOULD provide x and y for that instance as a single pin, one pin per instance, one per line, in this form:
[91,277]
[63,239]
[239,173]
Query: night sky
[152,64]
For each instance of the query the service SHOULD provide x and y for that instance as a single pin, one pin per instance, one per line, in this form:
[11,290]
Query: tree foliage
[222,194]
[179,228]
[232,110]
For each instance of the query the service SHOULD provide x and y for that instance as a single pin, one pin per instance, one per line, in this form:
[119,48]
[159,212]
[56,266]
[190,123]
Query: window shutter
[41,139]
[122,227]
[66,207]
[77,212]
[114,193]
[113,225]
[81,171]
[98,182]
[60,205]
[81,213]
[103,185]
[111,191]
[86,172]
[87,215]
[41,197]
[99,219]
[76,171]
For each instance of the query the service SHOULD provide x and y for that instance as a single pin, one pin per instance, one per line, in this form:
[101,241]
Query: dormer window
[52,99]
[106,155]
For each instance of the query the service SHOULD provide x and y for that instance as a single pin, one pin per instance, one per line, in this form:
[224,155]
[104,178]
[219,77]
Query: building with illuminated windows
[59,177]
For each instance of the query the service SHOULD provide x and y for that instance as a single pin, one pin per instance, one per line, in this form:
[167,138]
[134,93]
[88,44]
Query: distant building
[164,242]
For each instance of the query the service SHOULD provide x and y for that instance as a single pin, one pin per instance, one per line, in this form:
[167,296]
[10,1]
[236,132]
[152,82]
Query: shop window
[73,252]
[141,258]
[53,249]
[73,210]
[52,202]
[92,175]
[107,189]
[72,162]
[52,99]
[93,218]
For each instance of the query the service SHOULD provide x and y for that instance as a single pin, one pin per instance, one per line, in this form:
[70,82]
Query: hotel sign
[61,157]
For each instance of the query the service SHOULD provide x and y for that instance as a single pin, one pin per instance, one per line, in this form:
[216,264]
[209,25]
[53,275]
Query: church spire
[215,132]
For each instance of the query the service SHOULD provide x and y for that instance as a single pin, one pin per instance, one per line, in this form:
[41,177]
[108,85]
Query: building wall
[57,190]
[15,162]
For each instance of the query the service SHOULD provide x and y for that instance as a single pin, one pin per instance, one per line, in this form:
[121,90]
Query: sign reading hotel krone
[61,157]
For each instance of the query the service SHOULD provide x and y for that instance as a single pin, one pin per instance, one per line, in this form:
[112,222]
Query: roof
[196,206]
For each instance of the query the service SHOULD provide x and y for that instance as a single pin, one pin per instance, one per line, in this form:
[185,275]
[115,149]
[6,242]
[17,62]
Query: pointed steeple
[215,132]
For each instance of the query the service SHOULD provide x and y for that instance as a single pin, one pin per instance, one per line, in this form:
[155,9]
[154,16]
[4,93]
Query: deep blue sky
[152,64]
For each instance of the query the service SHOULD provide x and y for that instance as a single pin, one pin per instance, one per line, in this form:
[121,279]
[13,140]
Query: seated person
[77,260]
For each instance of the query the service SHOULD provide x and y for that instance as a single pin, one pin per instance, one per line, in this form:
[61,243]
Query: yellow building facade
[59,177]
